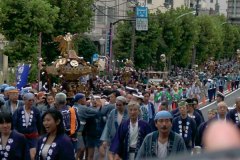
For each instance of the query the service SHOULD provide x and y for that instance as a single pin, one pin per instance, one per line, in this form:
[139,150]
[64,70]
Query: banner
[22,75]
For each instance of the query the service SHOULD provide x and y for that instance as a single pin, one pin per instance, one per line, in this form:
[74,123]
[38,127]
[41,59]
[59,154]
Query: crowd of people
[116,124]
[138,121]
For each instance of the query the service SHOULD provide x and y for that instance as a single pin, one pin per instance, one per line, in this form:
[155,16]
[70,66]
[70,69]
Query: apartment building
[164,5]
[233,11]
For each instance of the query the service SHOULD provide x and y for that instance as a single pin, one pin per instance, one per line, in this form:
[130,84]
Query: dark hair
[116,93]
[145,92]
[5,118]
[56,115]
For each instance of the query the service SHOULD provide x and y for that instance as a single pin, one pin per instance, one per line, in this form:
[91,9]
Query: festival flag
[22,75]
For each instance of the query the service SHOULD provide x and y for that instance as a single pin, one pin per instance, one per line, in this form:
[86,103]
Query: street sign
[95,57]
[141,12]
[141,24]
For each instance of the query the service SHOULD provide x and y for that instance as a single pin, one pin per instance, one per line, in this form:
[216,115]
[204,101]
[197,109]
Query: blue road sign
[142,12]
[95,57]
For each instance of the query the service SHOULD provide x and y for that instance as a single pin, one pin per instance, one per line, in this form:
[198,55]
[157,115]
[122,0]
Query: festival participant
[115,118]
[192,113]
[234,114]
[13,145]
[55,144]
[222,111]
[220,84]
[130,134]
[70,118]
[162,143]
[185,126]
[150,110]
[210,86]
[41,102]
[12,103]
[220,97]
[50,101]
[84,113]
[27,120]
[196,107]
[201,129]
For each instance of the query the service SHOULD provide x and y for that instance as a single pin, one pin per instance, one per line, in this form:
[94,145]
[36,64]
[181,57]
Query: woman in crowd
[13,145]
[27,120]
[55,144]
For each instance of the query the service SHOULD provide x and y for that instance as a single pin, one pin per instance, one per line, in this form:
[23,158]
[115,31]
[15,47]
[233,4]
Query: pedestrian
[54,144]
[220,97]
[13,145]
[185,126]
[70,119]
[192,113]
[130,134]
[201,129]
[115,118]
[162,143]
[234,114]
[222,111]
[27,120]
[12,103]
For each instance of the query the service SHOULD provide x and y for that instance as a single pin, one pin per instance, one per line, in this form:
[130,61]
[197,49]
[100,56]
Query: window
[149,1]
[101,15]
[211,1]
[111,14]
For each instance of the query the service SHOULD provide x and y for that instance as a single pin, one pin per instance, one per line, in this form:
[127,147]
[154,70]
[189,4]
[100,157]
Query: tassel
[72,120]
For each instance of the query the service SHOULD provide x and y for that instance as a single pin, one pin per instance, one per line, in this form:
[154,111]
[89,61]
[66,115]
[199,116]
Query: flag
[22,75]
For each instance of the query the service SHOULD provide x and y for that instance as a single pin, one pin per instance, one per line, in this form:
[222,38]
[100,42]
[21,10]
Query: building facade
[233,11]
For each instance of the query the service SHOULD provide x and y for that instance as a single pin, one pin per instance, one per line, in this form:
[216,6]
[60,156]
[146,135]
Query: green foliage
[85,47]
[175,33]
[21,22]
[74,16]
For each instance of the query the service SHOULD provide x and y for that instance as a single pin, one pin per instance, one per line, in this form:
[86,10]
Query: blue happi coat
[188,133]
[148,149]
[19,121]
[111,126]
[232,115]
[121,142]
[60,149]
[16,147]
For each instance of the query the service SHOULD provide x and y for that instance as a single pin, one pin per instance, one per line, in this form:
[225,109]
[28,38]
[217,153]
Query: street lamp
[102,42]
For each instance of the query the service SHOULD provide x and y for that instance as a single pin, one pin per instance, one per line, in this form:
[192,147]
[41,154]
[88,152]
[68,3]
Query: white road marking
[215,101]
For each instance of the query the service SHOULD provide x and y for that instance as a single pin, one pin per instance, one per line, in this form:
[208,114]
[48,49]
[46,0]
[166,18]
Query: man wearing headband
[12,103]
[163,142]
[27,120]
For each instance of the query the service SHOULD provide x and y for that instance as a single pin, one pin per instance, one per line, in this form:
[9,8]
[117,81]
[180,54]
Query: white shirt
[133,134]
[45,150]
[119,118]
[162,150]
[27,116]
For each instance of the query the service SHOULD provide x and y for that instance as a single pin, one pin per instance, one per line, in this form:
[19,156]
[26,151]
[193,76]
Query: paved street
[229,99]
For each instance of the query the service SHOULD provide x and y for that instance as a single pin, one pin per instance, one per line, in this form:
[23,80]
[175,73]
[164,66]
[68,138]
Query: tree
[145,46]
[210,38]
[21,22]
[85,47]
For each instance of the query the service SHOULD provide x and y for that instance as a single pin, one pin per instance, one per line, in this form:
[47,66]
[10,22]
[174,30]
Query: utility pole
[194,47]
[39,56]
[133,36]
